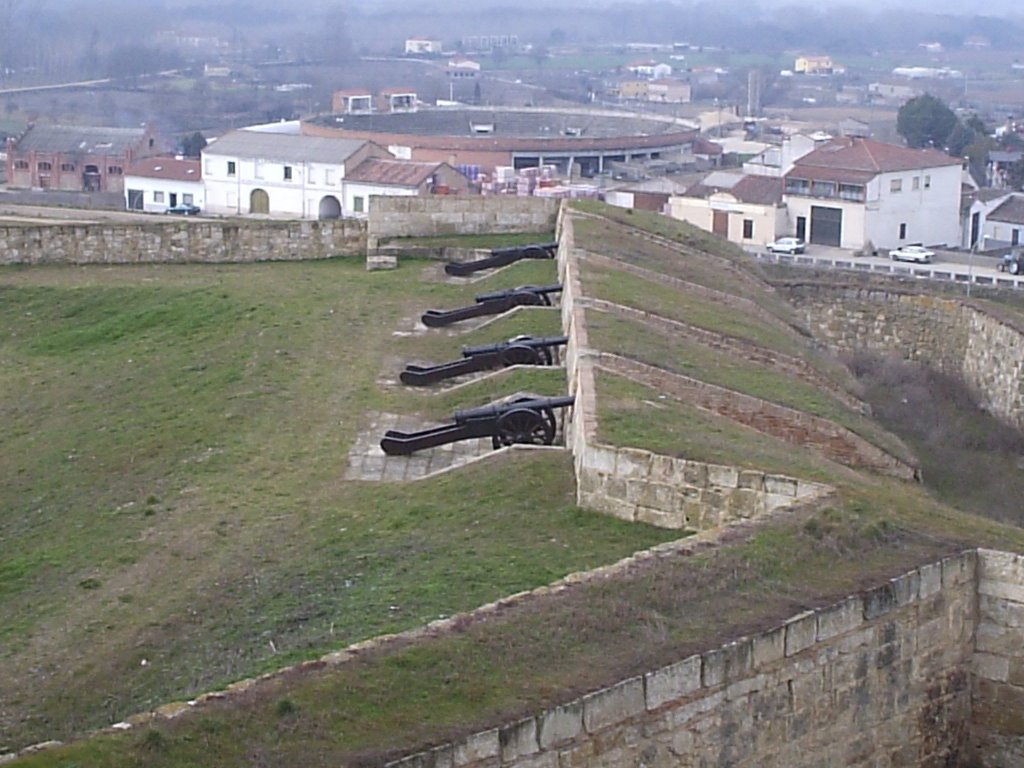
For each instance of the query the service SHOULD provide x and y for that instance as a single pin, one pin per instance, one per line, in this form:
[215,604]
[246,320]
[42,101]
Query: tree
[192,146]
[1015,175]
[926,121]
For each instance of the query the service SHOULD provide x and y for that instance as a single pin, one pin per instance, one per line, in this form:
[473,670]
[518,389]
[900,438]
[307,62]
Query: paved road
[957,266]
[42,214]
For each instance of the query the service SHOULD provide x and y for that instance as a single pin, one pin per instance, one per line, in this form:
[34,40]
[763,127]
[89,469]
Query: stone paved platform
[366,460]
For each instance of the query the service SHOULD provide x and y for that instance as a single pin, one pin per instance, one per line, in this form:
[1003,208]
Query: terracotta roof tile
[865,158]
[170,168]
[402,173]
[1010,211]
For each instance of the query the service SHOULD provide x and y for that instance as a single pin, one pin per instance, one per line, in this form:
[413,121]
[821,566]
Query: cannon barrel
[488,412]
[536,342]
[501,257]
[539,290]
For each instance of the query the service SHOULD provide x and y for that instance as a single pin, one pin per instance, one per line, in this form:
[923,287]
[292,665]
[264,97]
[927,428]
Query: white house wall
[182,191]
[768,221]
[932,214]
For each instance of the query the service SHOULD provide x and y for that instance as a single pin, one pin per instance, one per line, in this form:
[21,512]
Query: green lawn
[173,449]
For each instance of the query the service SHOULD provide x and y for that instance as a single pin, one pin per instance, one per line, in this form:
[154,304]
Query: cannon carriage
[523,421]
[493,303]
[501,257]
[521,350]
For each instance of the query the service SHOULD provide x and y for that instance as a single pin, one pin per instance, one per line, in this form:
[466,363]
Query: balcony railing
[826,190]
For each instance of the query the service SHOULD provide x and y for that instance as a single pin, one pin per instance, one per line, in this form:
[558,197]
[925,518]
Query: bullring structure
[526,137]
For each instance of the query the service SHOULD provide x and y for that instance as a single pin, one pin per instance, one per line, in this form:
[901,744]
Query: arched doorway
[330,208]
[259,201]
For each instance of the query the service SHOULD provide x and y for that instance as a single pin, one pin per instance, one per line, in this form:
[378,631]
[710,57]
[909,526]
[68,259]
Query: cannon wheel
[536,252]
[520,354]
[525,425]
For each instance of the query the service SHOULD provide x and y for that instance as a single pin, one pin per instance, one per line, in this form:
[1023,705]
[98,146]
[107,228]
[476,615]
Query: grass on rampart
[631,414]
[675,353]
[173,514]
[547,650]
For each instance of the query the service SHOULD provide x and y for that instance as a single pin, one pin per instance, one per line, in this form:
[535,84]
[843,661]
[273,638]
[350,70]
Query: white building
[745,209]
[852,190]
[155,184]
[379,176]
[422,46]
[254,172]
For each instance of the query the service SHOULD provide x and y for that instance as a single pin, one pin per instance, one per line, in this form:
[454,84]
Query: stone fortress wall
[175,241]
[924,670]
[639,485]
[961,338]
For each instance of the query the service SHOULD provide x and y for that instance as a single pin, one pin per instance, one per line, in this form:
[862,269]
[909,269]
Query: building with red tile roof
[852,191]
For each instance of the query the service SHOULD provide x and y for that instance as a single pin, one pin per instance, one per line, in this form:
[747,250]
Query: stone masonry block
[990,667]
[1001,612]
[600,459]
[673,682]
[751,480]
[672,520]
[769,647]
[905,588]
[801,632]
[879,601]
[479,746]
[727,664]
[991,638]
[560,724]
[632,463]
[613,705]
[662,468]
[1002,590]
[778,485]
[958,570]
[725,477]
[930,579]
[518,740]
[840,619]
[1000,566]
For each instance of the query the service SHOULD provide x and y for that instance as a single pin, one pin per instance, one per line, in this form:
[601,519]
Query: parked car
[1012,262]
[786,245]
[184,209]
[917,253]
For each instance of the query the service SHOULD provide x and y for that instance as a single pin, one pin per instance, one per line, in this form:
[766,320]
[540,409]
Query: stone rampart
[392,217]
[997,724]
[638,485]
[177,241]
[882,677]
[959,338]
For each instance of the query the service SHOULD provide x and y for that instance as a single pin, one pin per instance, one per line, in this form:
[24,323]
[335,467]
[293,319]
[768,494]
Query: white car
[917,253]
[786,245]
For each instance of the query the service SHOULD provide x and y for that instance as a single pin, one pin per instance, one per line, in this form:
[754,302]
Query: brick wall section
[997,725]
[744,349]
[953,336]
[880,678]
[434,216]
[638,485]
[832,440]
[180,242]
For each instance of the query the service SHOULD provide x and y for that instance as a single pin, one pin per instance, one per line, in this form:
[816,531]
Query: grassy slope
[547,650]
[173,449]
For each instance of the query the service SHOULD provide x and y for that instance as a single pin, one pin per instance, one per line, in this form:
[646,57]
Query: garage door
[826,225]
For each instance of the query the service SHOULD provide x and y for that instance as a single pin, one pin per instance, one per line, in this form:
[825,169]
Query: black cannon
[521,350]
[501,257]
[529,420]
[493,303]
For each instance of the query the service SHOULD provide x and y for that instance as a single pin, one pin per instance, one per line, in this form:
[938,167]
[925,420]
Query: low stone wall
[178,241]
[880,678]
[646,487]
[962,339]
[434,216]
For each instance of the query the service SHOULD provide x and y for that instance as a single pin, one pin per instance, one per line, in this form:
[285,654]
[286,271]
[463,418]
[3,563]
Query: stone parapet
[180,242]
